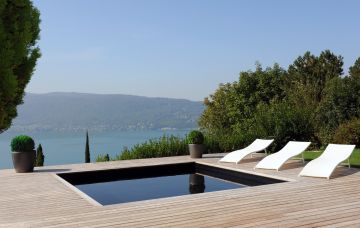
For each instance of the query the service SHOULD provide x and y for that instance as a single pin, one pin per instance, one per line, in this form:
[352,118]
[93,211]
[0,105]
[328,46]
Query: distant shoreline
[93,130]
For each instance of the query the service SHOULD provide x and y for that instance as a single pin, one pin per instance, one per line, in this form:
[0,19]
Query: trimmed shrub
[195,137]
[348,133]
[87,149]
[39,156]
[22,143]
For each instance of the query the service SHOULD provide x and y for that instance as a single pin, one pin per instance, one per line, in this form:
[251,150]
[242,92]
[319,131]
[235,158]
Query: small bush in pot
[195,137]
[23,153]
[195,140]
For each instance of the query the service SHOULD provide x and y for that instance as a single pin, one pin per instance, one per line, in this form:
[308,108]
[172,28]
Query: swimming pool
[114,186]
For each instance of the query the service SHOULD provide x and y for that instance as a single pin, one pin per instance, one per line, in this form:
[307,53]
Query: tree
[355,69]
[87,149]
[353,85]
[19,33]
[340,103]
[310,74]
[40,158]
[307,102]
[220,110]
[229,112]
[233,103]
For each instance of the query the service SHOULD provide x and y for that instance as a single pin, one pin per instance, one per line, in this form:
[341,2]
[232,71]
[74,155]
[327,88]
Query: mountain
[80,111]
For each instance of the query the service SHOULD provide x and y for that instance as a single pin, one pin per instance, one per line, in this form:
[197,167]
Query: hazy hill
[79,111]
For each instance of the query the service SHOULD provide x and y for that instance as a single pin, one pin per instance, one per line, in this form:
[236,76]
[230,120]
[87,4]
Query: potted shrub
[23,153]
[196,147]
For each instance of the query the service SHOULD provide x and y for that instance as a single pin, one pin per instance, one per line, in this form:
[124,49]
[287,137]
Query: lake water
[68,148]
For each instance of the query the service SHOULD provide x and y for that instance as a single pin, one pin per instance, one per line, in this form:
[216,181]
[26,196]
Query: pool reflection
[196,183]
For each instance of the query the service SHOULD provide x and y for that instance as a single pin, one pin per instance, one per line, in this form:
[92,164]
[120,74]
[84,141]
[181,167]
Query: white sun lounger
[238,155]
[276,160]
[325,165]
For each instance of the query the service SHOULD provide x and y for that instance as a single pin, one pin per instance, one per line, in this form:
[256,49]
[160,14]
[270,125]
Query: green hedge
[164,146]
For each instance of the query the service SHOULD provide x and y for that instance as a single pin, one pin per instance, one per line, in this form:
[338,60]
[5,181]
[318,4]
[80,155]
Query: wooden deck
[40,199]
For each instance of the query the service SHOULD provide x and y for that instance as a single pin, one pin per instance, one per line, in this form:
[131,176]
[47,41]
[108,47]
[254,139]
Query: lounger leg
[349,162]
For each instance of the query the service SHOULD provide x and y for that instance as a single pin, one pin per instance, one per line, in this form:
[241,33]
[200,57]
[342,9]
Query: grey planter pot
[23,161]
[196,150]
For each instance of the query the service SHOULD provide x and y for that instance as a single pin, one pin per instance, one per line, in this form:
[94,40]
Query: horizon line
[109,94]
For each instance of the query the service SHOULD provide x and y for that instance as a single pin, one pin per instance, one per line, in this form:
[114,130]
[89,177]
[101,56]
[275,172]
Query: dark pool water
[123,191]
[122,185]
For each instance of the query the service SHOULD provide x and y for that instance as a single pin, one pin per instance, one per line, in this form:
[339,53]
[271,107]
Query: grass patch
[354,158]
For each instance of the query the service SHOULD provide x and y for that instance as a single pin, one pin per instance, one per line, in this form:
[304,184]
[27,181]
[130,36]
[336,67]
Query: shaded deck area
[41,199]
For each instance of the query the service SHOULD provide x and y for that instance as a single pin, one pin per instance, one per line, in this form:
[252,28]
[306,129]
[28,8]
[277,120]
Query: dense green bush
[219,143]
[348,133]
[103,158]
[163,147]
[280,121]
[22,143]
[284,123]
[212,144]
[195,137]
[175,146]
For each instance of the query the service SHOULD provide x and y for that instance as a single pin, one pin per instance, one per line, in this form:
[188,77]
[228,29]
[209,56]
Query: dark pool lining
[99,176]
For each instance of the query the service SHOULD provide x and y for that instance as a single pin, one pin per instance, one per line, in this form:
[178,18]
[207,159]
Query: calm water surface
[152,188]
[68,148]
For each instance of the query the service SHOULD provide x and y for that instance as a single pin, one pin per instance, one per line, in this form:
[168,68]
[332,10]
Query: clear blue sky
[182,48]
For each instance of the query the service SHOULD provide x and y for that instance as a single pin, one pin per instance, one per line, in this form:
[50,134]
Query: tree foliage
[233,103]
[314,71]
[19,33]
[308,101]
[355,69]
[348,133]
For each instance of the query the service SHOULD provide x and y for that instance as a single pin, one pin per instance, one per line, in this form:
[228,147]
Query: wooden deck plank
[301,202]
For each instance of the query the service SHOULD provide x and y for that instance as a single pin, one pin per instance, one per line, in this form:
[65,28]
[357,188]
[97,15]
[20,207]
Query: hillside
[79,111]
